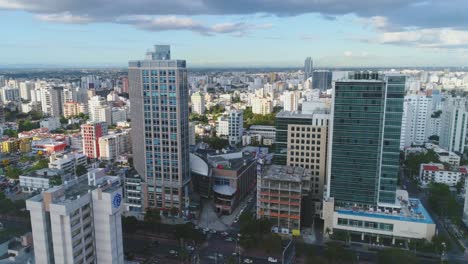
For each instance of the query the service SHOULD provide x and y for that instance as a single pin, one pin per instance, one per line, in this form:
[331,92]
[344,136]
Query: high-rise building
[302,141]
[236,126]
[57,100]
[99,110]
[78,222]
[416,113]
[290,101]
[71,109]
[25,90]
[160,140]
[198,103]
[261,106]
[91,133]
[308,68]
[113,145]
[322,80]
[362,196]
[454,124]
[365,136]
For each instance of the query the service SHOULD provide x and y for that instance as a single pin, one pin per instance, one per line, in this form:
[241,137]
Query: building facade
[236,126]
[198,103]
[365,136]
[454,124]
[91,132]
[78,222]
[160,141]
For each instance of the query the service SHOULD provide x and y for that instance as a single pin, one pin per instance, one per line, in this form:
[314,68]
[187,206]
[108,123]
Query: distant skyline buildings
[308,68]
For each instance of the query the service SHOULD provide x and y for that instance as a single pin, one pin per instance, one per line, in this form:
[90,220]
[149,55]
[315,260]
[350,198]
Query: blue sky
[209,33]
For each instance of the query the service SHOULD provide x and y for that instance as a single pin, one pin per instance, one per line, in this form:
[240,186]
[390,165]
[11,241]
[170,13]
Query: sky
[236,33]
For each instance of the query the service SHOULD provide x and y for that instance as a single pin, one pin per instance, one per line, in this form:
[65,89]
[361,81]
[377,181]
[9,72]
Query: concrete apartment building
[113,145]
[280,190]
[91,132]
[160,128]
[198,103]
[439,173]
[302,141]
[67,162]
[78,222]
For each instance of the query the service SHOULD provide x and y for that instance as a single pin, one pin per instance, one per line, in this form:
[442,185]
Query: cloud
[348,53]
[405,13]
[65,17]
[446,38]
[165,23]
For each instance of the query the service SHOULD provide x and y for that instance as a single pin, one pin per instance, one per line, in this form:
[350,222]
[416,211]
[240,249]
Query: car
[224,233]
[229,239]
[213,231]
[172,252]
[206,229]
[272,260]
[248,261]
[190,248]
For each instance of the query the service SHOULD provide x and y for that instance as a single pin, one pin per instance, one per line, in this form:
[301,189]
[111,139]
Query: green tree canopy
[396,255]
[81,170]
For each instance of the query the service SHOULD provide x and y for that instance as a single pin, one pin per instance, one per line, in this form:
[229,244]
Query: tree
[336,253]
[272,244]
[11,133]
[443,202]
[216,142]
[80,170]
[36,115]
[152,216]
[12,172]
[102,165]
[459,186]
[231,260]
[63,120]
[413,161]
[40,164]
[55,180]
[174,211]
[396,255]
[129,224]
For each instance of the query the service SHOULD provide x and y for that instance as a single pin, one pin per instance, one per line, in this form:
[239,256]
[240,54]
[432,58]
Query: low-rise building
[51,123]
[438,173]
[68,162]
[234,176]
[41,180]
[113,145]
[280,194]
[378,224]
[133,193]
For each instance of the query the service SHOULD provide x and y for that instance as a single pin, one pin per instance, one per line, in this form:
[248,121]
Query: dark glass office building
[322,80]
[366,126]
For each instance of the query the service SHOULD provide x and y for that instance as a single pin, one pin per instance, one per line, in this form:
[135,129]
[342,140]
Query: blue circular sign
[117,200]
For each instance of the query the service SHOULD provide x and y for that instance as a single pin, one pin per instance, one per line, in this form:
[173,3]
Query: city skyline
[334,33]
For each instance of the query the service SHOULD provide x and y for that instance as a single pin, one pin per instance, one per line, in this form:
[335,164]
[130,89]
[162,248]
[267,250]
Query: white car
[229,239]
[224,233]
[272,260]
[248,261]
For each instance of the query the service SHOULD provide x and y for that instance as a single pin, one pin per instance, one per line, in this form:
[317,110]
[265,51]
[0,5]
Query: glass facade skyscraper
[308,68]
[160,141]
[365,135]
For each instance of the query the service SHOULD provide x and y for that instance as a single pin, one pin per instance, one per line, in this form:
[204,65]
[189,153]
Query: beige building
[113,145]
[198,103]
[71,109]
[302,141]
[261,106]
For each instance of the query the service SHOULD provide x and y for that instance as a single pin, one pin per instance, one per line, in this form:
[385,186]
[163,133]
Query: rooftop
[286,173]
[411,210]
[73,189]
[299,114]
